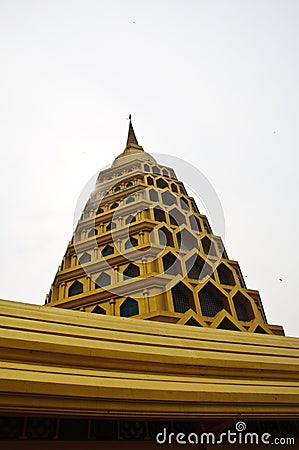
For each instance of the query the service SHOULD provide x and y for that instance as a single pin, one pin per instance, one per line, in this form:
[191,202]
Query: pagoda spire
[131,135]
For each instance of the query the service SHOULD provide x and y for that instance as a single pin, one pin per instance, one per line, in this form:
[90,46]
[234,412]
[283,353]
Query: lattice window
[209,302]
[182,298]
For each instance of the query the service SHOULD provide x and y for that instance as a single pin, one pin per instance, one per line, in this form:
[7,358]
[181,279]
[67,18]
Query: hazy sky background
[213,82]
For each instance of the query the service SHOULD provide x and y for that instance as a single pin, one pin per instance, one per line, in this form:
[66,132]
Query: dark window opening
[108,250]
[159,215]
[208,247]
[174,187]
[165,237]
[129,308]
[103,280]
[76,288]
[153,195]
[161,183]
[225,275]
[93,232]
[99,310]
[171,264]
[182,298]
[210,302]
[168,198]
[132,242]
[85,258]
[132,271]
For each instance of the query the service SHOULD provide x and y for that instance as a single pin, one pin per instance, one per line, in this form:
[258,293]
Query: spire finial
[131,134]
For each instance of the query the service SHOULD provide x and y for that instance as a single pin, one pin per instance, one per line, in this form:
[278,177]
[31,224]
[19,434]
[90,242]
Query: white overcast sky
[214,82]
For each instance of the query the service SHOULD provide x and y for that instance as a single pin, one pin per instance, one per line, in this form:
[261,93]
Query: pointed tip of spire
[131,135]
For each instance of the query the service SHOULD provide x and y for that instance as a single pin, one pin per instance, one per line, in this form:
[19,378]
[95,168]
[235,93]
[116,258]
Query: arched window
[98,310]
[182,298]
[161,183]
[110,226]
[103,280]
[146,168]
[114,205]
[156,170]
[159,215]
[130,219]
[85,258]
[132,242]
[130,184]
[131,271]
[76,288]
[100,210]
[165,173]
[153,195]
[210,302]
[93,232]
[117,189]
[165,237]
[108,250]
[129,308]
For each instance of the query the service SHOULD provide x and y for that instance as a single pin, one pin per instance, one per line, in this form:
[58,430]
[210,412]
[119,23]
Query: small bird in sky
[280,279]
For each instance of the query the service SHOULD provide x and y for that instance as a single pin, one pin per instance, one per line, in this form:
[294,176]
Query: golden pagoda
[148,335]
[142,249]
